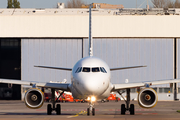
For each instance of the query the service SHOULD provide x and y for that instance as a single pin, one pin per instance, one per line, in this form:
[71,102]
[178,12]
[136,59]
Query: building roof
[83,11]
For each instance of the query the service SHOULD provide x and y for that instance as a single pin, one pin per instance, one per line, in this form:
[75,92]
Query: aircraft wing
[117,87]
[59,86]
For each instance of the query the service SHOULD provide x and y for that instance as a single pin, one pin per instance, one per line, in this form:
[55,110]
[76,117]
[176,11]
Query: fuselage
[91,77]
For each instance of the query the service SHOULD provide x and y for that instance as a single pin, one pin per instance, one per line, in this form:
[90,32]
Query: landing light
[93,99]
[88,98]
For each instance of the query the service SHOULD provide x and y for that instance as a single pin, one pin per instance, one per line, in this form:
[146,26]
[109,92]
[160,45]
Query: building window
[165,90]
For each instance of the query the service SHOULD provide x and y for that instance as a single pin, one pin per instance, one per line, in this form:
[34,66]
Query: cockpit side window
[77,69]
[96,69]
[86,69]
[103,70]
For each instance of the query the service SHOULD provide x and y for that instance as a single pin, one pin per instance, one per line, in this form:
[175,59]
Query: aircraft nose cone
[92,86]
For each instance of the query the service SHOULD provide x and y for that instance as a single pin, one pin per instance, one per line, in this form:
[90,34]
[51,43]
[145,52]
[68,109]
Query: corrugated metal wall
[157,54]
[49,52]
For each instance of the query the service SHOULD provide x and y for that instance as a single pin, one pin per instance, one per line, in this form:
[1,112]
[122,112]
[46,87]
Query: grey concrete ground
[16,110]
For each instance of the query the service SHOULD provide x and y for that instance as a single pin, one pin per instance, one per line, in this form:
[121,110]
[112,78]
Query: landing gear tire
[131,109]
[93,111]
[58,109]
[88,111]
[49,109]
[123,109]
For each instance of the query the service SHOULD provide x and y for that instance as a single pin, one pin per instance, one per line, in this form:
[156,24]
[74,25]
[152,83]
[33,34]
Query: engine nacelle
[147,98]
[34,98]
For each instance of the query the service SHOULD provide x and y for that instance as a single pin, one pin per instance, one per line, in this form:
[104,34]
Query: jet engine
[147,98]
[34,98]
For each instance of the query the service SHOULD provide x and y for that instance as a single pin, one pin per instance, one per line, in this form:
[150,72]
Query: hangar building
[59,37]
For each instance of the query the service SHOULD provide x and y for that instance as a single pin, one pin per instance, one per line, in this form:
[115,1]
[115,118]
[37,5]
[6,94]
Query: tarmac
[16,110]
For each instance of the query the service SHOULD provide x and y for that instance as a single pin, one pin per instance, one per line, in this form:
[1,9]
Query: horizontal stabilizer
[58,68]
[122,68]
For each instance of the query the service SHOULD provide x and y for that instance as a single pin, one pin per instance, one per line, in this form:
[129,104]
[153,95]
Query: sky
[53,3]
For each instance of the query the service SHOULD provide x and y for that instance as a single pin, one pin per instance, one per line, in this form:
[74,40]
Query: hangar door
[10,64]
[49,52]
[156,53]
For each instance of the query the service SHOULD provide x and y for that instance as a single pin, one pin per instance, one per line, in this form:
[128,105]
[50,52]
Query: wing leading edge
[60,86]
[143,84]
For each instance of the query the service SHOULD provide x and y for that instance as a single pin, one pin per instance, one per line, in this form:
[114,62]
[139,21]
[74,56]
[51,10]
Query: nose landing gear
[91,109]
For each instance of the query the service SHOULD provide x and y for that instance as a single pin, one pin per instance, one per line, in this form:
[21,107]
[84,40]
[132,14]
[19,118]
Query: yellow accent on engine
[34,98]
[147,98]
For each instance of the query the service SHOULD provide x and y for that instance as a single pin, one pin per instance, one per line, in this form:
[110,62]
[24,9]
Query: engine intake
[147,98]
[34,98]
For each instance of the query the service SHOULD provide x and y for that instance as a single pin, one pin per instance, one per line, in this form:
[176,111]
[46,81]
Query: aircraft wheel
[49,109]
[58,109]
[88,111]
[132,109]
[93,111]
[123,109]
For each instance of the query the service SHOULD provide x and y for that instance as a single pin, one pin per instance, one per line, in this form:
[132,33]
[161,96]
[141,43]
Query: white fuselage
[91,77]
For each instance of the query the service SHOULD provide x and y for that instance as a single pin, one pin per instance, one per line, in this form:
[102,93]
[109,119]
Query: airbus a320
[91,79]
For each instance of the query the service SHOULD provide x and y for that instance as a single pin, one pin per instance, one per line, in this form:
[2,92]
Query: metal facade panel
[157,54]
[49,52]
[76,25]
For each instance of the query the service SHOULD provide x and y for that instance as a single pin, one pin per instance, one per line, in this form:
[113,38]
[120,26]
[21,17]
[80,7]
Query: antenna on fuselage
[90,33]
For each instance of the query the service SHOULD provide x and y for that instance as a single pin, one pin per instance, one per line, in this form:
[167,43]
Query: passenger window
[85,69]
[95,69]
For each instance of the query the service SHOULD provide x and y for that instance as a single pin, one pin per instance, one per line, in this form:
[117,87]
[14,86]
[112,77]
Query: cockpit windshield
[96,69]
[86,69]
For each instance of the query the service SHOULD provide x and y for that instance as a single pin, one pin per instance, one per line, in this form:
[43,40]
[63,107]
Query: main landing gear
[91,110]
[52,107]
[127,108]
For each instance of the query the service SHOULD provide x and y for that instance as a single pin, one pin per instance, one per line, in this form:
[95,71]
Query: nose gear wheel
[90,110]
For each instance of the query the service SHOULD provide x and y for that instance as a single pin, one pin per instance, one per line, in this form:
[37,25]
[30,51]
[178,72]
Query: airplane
[90,79]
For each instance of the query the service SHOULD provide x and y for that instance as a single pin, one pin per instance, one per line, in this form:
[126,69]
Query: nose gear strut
[91,109]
